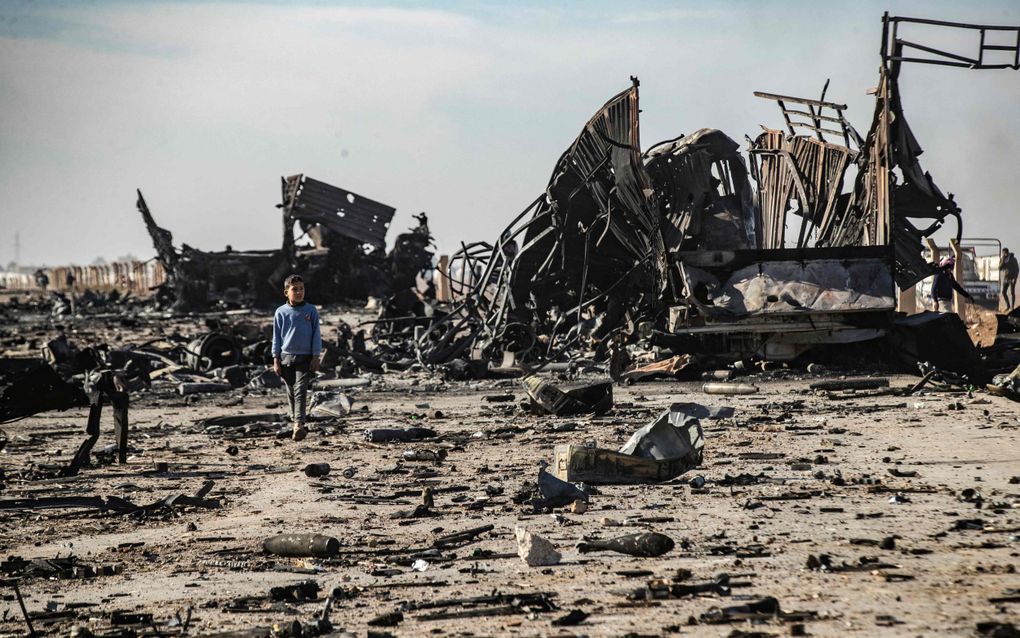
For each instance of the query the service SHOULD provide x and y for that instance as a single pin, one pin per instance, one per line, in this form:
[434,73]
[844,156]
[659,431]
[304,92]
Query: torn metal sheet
[583,257]
[676,434]
[703,192]
[600,185]
[331,404]
[661,450]
[341,211]
[939,339]
[556,492]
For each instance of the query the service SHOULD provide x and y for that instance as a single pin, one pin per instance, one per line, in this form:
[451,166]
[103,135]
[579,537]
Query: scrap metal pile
[688,248]
[692,246]
[346,260]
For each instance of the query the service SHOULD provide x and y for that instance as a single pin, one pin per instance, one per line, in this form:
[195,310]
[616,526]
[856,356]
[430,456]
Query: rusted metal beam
[943,23]
[800,100]
[893,45]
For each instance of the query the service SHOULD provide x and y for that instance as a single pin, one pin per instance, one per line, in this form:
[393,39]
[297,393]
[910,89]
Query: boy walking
[297,345]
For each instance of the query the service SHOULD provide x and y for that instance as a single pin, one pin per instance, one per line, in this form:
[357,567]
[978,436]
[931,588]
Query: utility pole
[17,247]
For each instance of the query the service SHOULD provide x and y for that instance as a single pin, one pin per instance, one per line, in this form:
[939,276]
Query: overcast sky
[457,109]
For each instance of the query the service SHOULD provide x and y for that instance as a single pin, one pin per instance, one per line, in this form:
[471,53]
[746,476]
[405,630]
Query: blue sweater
[296,330]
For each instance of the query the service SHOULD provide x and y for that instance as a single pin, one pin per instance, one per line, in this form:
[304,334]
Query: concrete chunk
[535,550]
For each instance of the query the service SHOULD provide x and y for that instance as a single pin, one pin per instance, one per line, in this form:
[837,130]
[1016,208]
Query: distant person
[1009,268]
[42,279]
[297,345]
[944,284]
[69,282]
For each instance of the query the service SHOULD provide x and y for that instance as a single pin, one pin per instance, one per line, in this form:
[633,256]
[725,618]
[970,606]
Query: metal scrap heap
[346,260]
[703,251]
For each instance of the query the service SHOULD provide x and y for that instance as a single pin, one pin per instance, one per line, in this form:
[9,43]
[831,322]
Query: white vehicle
[980,272]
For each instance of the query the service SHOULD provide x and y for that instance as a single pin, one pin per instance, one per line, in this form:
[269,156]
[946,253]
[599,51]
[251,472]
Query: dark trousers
[297,375]
[1009,292]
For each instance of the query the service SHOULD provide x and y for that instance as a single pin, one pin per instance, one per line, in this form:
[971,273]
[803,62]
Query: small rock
[535,550]
[578,507]
[419,565]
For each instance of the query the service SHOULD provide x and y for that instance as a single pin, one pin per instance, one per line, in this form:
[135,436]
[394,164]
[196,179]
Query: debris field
[854,509]
[684,392]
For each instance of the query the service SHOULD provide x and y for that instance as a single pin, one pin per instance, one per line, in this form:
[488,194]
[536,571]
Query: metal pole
[21,602]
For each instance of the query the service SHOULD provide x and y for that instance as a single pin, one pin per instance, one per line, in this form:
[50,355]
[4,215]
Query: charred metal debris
[688,247]
[347,258]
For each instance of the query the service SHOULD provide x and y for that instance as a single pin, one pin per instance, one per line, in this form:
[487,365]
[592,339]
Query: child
[297,345]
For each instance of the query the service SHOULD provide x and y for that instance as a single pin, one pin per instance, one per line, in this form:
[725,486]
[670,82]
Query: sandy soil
[934,580]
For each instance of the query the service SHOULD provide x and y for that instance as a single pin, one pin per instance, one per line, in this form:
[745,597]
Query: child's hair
[292,279]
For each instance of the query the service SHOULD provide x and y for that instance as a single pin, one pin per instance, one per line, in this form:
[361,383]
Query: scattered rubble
[855,445]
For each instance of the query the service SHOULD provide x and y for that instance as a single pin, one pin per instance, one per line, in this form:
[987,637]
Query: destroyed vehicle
[345,258]
[808,241]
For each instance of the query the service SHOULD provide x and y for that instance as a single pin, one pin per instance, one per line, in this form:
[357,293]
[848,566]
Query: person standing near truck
[943,285]
[1009,269]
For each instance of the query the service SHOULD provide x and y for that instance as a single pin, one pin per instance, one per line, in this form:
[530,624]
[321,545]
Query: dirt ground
[879,484]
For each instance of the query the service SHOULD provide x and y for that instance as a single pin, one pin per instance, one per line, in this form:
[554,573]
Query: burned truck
[344,256]
[805,242]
